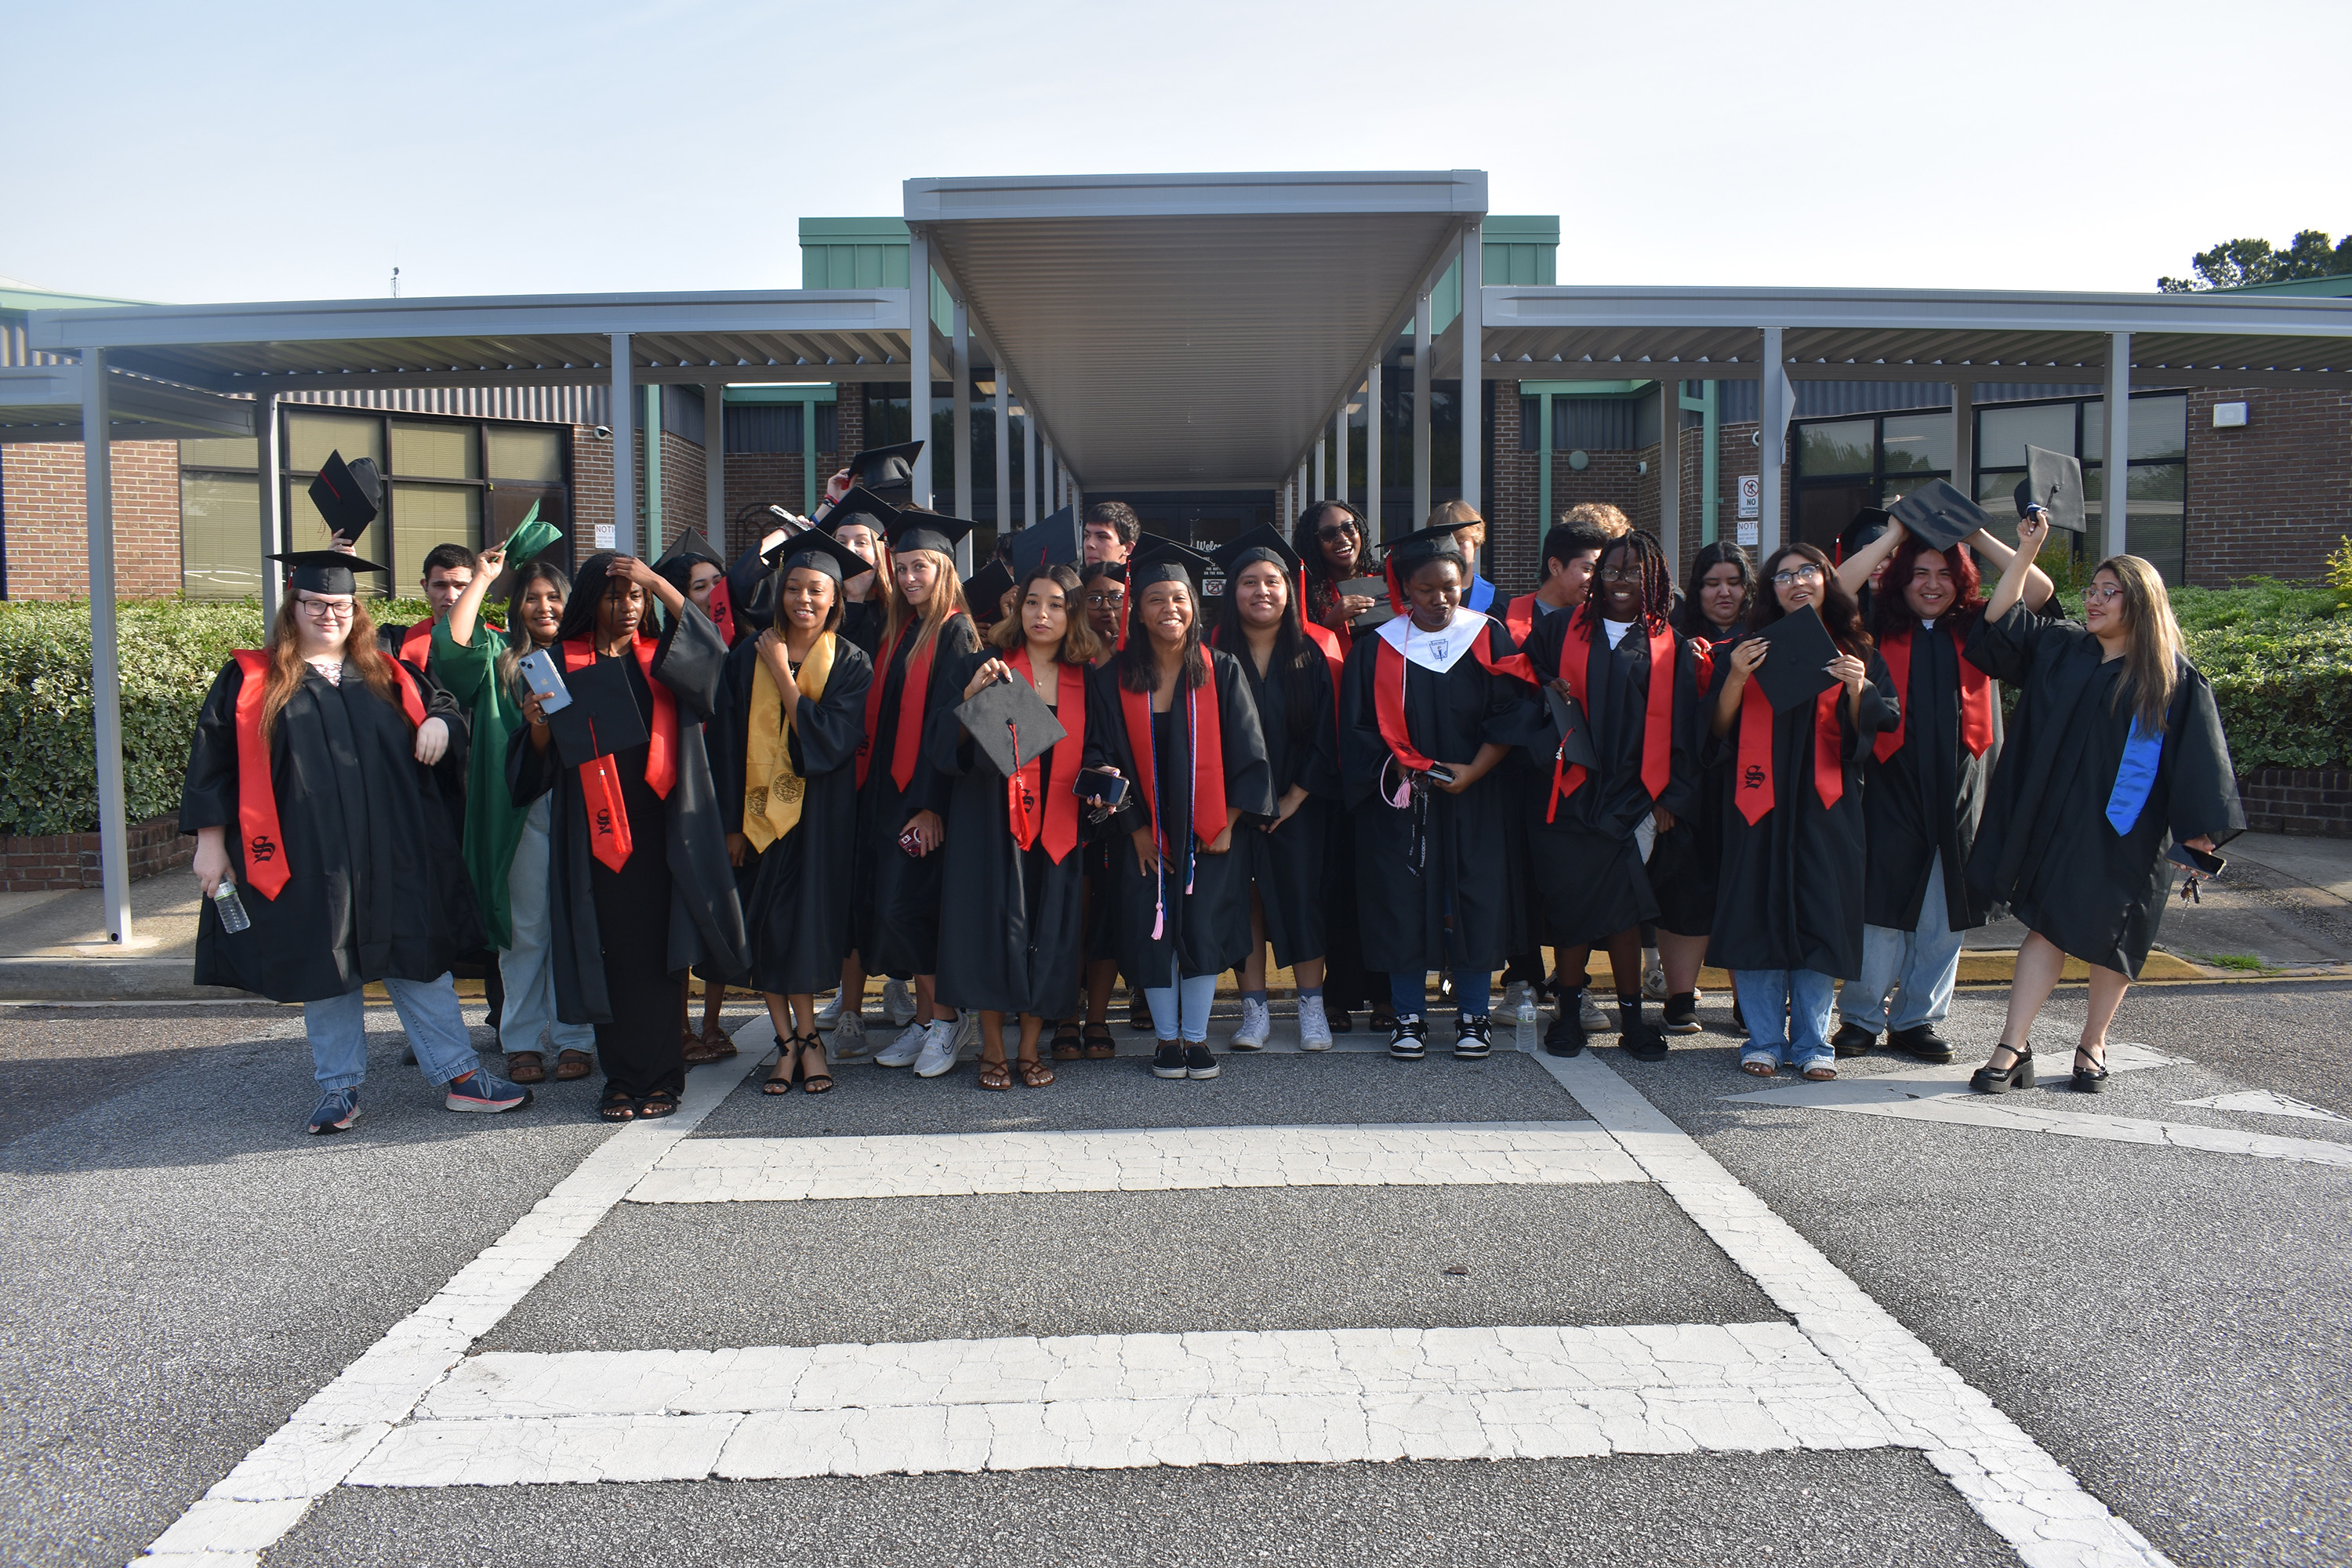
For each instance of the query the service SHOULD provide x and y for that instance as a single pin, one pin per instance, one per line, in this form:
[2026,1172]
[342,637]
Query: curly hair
[1657,580]
[1890,609]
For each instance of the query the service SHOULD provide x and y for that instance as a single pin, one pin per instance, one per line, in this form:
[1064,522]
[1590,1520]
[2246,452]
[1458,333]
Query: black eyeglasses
[1103,601]
[1330,532]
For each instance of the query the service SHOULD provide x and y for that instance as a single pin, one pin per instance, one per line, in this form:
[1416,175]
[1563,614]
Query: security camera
[604,432]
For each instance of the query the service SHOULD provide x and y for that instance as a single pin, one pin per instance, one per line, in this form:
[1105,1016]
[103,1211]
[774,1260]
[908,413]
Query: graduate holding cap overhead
[1013,745]
[1174,718]
[1435,701]
[2117,770]
[1923,782]
[638,883]
[1798,702]
[694,569]
[322,844]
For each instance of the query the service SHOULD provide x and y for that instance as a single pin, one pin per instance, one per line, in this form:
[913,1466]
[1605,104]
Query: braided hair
[1657,581]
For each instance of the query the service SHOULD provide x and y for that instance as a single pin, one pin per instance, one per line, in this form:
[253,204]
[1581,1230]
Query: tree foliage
[2238,263]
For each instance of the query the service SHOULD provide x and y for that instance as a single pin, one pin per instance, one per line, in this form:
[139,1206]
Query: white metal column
[1473,368]
[1053,482]
[1372,452]
[1340,451]
[714,461]
[1029,471]
[2114,462]
[1772,415]
[1421,499]
[1322,474]
[961,403]
[1670,477]
[105,667]
[1964,436]
[919,340]
[269,456]
[1003,446]
[652,424]
[624,450]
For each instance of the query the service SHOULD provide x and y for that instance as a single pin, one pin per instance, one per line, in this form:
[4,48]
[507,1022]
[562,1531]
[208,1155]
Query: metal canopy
[2177,340]
[1186,332]
[44,402]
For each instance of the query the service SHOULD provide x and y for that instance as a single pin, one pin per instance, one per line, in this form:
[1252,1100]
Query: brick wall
[48,519]
[2306,801]
[591,489]
[40,865]
[1740,455]
[2272,497]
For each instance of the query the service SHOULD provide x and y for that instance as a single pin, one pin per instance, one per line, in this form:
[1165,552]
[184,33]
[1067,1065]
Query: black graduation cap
[1575,738]
[1939,514]
[1867,526]
[927,531]
[602,718]
[886,469]
[1260,544]
[348,495]
[1414,550]
[983,593]
[676,565]
[821,550]
[862,505]
[1793,673]
[1006,711]
[2053,481]
[326,571]
[1157,560]
[1050,543]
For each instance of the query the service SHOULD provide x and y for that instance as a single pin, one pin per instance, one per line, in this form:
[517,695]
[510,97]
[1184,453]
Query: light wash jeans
[1182,1006]
[1922,964]
[428,1011]
[528,967]
[1804,998]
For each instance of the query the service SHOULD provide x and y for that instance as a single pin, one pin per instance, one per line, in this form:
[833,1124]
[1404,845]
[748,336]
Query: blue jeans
[428,1011]
[1182,1006]
[1803,998]
[528,966]
[1473,988]
[1922,964]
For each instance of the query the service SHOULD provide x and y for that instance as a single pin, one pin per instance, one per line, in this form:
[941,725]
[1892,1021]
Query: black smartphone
[1093,784]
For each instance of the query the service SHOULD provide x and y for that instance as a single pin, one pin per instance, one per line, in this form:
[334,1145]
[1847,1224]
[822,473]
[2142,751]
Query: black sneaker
[1410,1043]
[1474,1038]
[1645,1042]
[1199,1062]
[1168,1061]
[1853,1040]
[1566,1036]
[1921,1043]
[1681,1013]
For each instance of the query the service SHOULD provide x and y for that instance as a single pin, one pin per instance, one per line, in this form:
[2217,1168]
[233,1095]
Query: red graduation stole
[1975,698]
[1388,675]
[417,645]
[1208,736]
[600,780]
[914,693]
[257,795]
[722,612]
[1756,718]
[1061,823]
[1519,619]
[1657,713]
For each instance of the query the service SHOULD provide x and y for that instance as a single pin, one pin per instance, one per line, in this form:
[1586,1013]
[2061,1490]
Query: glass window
[1897,486]
[1996,492]
[2003,434]
[1918,443]
[2154,528]
[436,451]
[521,453]
[222,452]
[2159,429]
[310,438]
[220,535]
[425,515]
[1841,448]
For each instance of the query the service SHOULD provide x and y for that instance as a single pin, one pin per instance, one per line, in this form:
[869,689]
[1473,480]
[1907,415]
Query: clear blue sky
[272,151]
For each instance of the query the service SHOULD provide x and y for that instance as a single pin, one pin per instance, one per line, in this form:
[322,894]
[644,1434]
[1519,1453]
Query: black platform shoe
[2019,1074]
[2091,1079]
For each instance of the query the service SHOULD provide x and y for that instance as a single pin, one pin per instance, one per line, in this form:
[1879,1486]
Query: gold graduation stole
[771,789]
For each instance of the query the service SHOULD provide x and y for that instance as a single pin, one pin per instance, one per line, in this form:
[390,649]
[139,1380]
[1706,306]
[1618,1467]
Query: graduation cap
[2053,481]
[326,571]
[1010,723]
[926,531]
[821,552]
[1053,542]
[887,469]
[983,593]
[530,536]
[1938,514]
[1260,544]
[1157,560]
[1575,738]
[348,495]
[676,565]
[1868,525]
[602,718]
[862,506]
[1410,553]
[1795,671]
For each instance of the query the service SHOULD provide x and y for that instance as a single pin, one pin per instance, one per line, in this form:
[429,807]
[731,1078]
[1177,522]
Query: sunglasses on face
[1331,533]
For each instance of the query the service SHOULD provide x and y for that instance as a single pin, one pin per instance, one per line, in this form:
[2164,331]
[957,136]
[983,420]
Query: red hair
[1890,611]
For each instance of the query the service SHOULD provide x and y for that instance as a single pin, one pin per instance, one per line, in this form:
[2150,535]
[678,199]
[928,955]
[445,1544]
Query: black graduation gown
[1206,931]
[1683,862]
[1586,862]
[376,889]
[700,919]
[1790,889]
[1027,955]
[1471,862]
[896,913]
[1287,864]
[1924,801]
[2045,847]
[797,903]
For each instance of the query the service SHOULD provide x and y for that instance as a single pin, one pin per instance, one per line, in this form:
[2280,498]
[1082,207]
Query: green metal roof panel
[853,231]
[2339,287]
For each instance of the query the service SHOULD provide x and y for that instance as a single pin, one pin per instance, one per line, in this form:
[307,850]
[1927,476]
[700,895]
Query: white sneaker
[902,1051]
[1521,1001]
[849,1037]
[830,1014]
[1654,981]
[1313,1028]
[1256,1025]
[1594,1020]
[939,1052]
[899,1002]
[966,1034]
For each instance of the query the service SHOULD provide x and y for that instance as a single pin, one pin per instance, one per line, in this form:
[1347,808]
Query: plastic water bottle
[1526,1032]
[230,908]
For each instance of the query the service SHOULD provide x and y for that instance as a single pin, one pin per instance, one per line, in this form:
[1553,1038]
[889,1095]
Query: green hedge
[2280,659]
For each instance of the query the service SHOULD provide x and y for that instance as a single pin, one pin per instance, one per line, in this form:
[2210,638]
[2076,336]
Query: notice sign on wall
[1751,496]
[608,535]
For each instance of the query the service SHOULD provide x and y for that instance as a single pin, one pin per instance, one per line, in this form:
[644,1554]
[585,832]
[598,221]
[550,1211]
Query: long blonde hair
[286,662]
[2152,663]
[946,599]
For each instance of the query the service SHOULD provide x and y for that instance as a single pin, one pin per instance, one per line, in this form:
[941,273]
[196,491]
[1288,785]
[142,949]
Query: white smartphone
[545,681]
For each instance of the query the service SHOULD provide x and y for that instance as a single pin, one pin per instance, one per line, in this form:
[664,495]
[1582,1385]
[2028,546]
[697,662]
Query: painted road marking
[788,1170]
[2262,1102]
